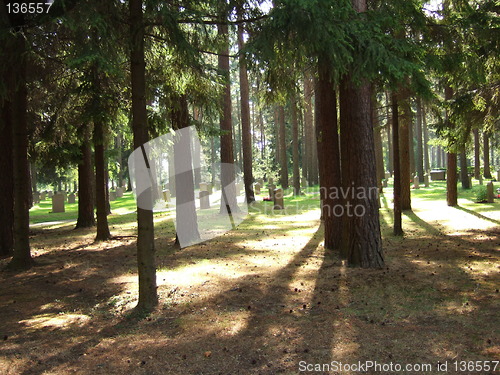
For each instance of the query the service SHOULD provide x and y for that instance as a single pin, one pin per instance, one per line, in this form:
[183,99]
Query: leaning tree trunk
[486,155]
[21,255]
[398,227]
[295,150]
[477,154]
[86,217]
[148,297]
[100,184]
[228,199]
[464,175]
[328,155]
[451,178]
[282,147]
[6,182]
[246,136]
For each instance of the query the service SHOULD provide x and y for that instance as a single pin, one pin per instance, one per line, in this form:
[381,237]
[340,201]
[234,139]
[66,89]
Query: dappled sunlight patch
[62,321]
[456,307]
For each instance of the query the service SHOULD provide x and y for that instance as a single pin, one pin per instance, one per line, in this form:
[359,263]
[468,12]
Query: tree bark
[390,161]
[226,140]
[464,175]
[377,136]
[308,130]
[295,149]
[7,180]
[398,227]
[477,154]
[451,178]
[148,298]
[361,239]
[246,136]
[404,149]
[420,148]
[100,184]
[427,166]
[283,153]
[486,155]
[327,139]
[86,217]
[185,217]
[21,255]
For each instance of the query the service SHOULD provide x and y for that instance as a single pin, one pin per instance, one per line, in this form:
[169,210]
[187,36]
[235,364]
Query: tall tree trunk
[420,148]
[390,151]
[486,155]
[361,239]
[411,147]
[404,148]
[451,178]
[477,154]
[427,166]
[226,140]
[119,159]
[100,184]
[398,227]
[295,149]
[186,216]
[277,135]
[439,162]
[148,298]
[327,138]
[245,123]
[21,255]
[308,129]
[7,167]
[86,217]
[283,153]
[377,136]
[464,176]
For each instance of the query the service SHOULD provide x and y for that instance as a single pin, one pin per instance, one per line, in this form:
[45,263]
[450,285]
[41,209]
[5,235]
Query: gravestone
[257,188]
[271,191]
[426,180]
[204,200]
[71,198]
[112,196]
[57,203]
[166,195]
[119,192]
[278,199]
[50,194]
[203,186]
[43,196]
[490,198]
[416,182]
[438,175]
[36,197]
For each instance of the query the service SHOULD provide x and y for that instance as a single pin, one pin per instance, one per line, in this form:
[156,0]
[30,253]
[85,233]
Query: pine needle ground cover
[258,300]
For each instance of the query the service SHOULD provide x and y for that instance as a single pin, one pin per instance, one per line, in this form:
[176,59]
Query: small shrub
[481,194]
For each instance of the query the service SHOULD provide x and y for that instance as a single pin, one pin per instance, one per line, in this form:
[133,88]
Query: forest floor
[263,299]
